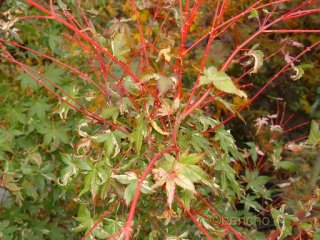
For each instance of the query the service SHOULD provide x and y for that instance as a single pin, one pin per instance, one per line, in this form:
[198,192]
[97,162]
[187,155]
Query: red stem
[135,200]
[100,219]
[292,31]
[200,227]
[264,87]
[236,234]
[91,41]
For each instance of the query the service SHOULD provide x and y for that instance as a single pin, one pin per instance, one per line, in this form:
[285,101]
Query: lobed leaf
[221,81]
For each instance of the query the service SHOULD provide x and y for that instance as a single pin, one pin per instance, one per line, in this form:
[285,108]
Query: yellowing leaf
[163,83]
[258,59]
[80,132]
[184,182]
[120,47]
[314,135]
[166,109]
[221,81]
[298,73]
[125,178]
[183,173]
[171,179]
[170,188]
[167,215]
[253,14]
[193,158]
[166,53]
[158,129]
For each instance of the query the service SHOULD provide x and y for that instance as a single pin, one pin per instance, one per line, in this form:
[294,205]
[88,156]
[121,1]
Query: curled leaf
[158,129]
[167,108]
[84,143]
[82,133]
[258,59]
[165,53]
[167,215]
[68,172]
[298,73]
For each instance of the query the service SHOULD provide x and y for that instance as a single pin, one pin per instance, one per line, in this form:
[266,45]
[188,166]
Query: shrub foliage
[116,120]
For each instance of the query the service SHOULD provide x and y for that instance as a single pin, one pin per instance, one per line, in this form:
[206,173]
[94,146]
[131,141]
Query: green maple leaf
[39,108]
[53,73]
[130,191]
[131,180]
[138,134]
[228,175]
[84,218]
[283,221]
[52,134]
[227,143]
[15,115]
[314,135]
[257,183]
[54,41]
[27,81]
[220,80]
[253,14]
[199,142]
[250,202]
[191,170]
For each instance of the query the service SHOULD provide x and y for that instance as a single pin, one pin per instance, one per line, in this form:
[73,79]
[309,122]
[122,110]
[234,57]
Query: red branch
[100,219]
[200,227]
